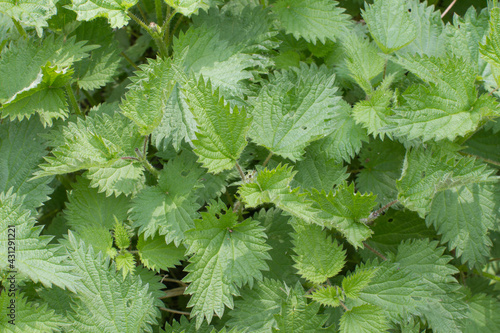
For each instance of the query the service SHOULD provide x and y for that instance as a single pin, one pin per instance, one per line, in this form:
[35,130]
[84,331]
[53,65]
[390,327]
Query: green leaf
[189,7]
[447,107]
[463,216]
[372,113]
[227,254]
[365,318]
[318,258]
[482,316]
[390,24]
[425,173]
[328,296]
[298,316]
[274,186]
[221,134]
[102,65]
[98,143]
[126,262]
[108,302]
[148,94]
[362,60]
[345,211]
[485,144]
[157,255]
[430,32]
[347,137]
[34,13]
[295,108]
[27,316]
[382,162]
[170,207]
[354,283]
[87,207]
[490,51]
[114,10]
[318,171]
[34,257]
[100,238]
[419,281]
[257,306]
[22,149]
[121,235]
[312,20]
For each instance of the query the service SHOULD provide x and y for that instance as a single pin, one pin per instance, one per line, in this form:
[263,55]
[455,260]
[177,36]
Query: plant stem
[487,275]
[146,163]
[174,281]
[72,100]
[242,174]
[378,212]
[487,160]
[385,69]
[142,24]
[491,92]
[20,28]
[137,68]
[268,158]
[380,255]
[144,17]
[343,305]
[170,37]
[448,9]
[159,14]
[175,311]
[174,292]
[89,97]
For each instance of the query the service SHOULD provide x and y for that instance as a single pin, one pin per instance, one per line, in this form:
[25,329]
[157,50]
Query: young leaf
[34,257]
[122,237]
[312,20]
[227,254]
[328,296]
[354,283]
[390,24]
[189,7]
[170,207]
[114,11]
[100,238]
[155,254]
[345,210]
[365,318]
[318,258]
[490,51]
[125,262]
[372,113]
[107,302]
[295,108]
[221,134]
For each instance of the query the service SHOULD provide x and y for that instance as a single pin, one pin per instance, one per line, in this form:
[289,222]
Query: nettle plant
[249,166]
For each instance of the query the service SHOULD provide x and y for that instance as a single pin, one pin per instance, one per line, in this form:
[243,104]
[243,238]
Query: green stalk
[72,100]
[159,14]
[20,28]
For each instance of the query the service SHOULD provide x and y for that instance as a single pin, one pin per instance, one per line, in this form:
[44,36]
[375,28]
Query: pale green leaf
[22,150]
[99,237]
[390,24]
[447,107]
[227,254]
[328,296]
[189,7]
[483,314]
[121,235]
[490,51]
[108,302]
[125,262]
[354,283]
[425,173]
[170,207]
[87,207]
[318,258]
[312,20]
[365,318]
[27,316]
[34,13]
[221,132]
[295,108]
[256,308]
[34,256]
[372,113]
[345,210]
[157,255]
[114,10]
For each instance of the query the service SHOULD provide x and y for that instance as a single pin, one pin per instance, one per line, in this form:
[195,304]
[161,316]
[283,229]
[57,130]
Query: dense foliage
[249,166]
